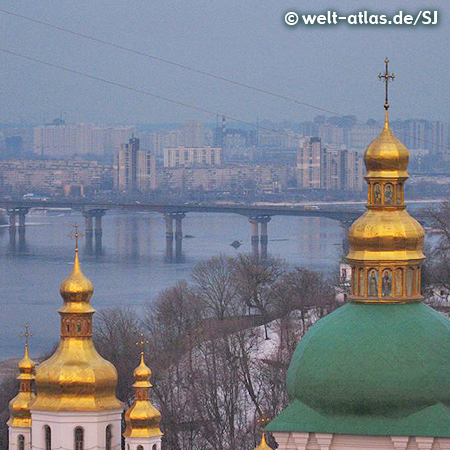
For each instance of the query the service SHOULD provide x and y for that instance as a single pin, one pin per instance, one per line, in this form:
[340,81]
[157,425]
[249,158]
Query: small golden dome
[26,364]
[386,156]
[142,418]
[142,373]
[263,445]
[19,406]
[76,287]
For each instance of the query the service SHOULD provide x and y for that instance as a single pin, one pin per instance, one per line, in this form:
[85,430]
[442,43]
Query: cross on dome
[386,76]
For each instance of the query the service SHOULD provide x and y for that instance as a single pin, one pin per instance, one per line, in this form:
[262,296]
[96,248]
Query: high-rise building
[64,141]
[135,168]
[193,134]
[308,164]
[341,169]
[328,167]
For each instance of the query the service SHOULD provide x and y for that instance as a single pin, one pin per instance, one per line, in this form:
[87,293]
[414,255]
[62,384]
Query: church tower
[19,422]
[76,405]
[374,374]
[142,419]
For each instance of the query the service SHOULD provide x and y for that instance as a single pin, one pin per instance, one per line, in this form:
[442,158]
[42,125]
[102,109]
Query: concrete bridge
[258,216]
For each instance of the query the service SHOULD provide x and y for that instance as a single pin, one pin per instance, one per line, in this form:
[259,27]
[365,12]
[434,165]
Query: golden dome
[263,445]
[142,418]
[76,377]
[19,406]
[380,235]
[142,373]
[386,156]
[76,287]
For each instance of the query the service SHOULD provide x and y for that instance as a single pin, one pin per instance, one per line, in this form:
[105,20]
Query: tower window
[48,437]
[79,438]
[108,437]
[21,442]
[140,447]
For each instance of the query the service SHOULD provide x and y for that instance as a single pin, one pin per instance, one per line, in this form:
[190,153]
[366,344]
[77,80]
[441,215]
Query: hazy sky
[247,40]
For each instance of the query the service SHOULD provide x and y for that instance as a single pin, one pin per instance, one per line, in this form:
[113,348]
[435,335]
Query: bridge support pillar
[259,236]
[264,237]
[255,238]
[22,212]
[12,213]
[93,227]
[169,237]
[179,237]
[170,218]
[89,231]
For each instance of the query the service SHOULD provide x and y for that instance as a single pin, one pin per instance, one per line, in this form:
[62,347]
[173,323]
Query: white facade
[19,438]
[80,139]
[325,441]
[63,424]
[153,443]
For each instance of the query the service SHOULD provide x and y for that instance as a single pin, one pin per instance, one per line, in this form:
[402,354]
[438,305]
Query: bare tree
[116,332]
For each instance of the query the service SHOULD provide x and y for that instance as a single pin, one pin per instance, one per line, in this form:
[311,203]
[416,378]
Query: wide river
[131,269]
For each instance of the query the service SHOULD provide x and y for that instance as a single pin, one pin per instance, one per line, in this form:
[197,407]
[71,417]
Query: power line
[174,63]
[198,71]
[130,88]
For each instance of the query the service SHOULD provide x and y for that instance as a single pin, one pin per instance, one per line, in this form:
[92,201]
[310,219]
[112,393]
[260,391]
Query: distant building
[328,167]
[64,141]
[135,168]
[192,157]
[233,178]
[341,169]
[308,164]
[52,177]
[193,134]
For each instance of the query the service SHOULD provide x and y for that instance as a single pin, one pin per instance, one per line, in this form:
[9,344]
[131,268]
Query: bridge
[258,215]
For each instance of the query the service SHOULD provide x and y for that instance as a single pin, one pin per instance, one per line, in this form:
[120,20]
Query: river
[131,268]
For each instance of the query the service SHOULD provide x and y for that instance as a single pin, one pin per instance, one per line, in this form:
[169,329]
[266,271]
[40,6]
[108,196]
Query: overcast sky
[246,40]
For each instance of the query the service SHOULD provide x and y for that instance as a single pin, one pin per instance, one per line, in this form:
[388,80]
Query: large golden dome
[19,406]
[76,377]
[142,418]
[386,235]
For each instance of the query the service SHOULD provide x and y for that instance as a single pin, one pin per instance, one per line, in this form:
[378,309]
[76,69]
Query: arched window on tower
[108,437]
[21,442]
[79,438]
[47,437]
[140,447]
[155,447]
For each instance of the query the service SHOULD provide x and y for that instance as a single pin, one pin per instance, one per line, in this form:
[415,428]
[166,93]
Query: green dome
[367,367]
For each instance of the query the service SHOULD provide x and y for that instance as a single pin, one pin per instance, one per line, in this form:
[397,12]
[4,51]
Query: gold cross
[26,335]
[263,419]
[386,76]
[142,342]
[77,235]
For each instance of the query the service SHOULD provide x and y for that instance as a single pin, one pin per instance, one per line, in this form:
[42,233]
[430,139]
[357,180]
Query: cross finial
[26,335]
[386,76]
[142,342]
[263,419]
[77,235]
